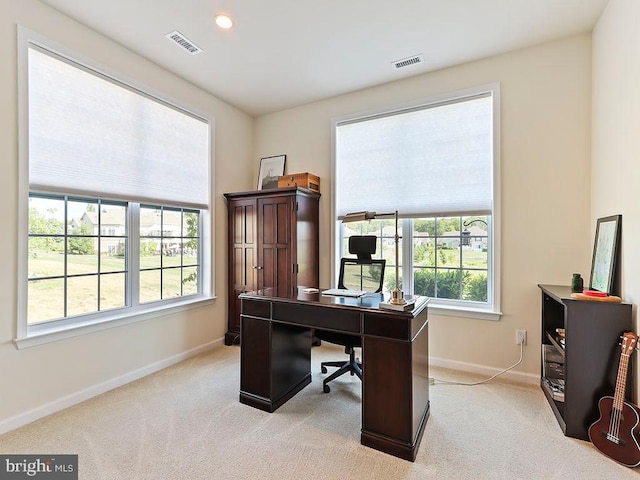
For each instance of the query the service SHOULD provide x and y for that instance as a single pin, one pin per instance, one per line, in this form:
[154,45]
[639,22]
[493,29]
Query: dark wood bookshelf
[591,354]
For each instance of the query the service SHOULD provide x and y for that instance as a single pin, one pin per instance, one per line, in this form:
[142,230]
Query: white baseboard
[65,402]
[511,375]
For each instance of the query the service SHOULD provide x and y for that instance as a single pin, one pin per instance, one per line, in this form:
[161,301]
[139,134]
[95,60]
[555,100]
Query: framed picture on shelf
[270,169]
[605,252]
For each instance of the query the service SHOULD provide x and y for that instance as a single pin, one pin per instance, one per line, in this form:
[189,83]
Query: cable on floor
[436,380]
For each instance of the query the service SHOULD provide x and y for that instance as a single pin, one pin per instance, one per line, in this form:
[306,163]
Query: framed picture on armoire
[270,169]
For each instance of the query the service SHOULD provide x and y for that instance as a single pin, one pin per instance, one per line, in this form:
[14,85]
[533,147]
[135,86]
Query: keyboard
[343,292]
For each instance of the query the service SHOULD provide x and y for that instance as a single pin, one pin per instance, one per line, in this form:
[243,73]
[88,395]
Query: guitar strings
[616,411]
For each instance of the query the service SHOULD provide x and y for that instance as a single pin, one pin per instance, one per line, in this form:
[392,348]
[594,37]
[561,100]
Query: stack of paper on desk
[343,292]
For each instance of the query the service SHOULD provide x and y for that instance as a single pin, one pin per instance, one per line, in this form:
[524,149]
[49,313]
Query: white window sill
[52,333]
[458,311]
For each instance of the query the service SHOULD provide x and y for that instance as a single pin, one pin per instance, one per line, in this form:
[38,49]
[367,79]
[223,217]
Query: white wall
[40,379]
[616,136]
[546,98]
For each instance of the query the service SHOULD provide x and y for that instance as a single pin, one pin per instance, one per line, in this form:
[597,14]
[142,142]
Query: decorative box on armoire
[272,242]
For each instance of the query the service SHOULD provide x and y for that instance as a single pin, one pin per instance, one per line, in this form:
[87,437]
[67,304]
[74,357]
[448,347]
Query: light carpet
[185,422]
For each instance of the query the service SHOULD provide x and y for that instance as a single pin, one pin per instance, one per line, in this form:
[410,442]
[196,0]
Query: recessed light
[223,21]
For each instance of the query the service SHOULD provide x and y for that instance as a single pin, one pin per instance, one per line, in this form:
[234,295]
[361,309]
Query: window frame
[458,308]
[45,332]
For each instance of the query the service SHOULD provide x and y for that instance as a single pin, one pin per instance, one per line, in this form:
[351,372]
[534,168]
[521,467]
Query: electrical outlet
[521,337]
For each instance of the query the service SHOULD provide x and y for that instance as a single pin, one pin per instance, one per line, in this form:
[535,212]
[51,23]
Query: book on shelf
[553,370]
[556,387]
[556,383]
[551,354]
[552,363]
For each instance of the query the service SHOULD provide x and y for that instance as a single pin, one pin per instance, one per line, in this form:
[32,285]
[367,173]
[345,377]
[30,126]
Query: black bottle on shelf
[577,284]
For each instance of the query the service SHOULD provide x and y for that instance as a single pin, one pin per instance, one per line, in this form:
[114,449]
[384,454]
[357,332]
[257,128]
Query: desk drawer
[387,325]
[256,308]
[323,318]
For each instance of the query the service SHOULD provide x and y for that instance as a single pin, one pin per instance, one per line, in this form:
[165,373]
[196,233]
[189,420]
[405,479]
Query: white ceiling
[284,53]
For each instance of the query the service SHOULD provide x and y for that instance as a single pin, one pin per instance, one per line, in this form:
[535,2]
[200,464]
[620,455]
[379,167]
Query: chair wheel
[326,388]
[323,369]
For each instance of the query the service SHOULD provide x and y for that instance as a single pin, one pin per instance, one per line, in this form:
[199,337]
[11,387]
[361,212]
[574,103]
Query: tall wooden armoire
[272,242]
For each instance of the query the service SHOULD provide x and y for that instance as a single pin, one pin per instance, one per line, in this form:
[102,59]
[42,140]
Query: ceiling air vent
[405,62]
[183,42]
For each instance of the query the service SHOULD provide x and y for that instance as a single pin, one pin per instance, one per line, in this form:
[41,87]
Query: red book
[595,293]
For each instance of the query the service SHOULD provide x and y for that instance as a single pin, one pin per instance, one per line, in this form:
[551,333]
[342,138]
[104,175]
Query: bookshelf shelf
[588,360]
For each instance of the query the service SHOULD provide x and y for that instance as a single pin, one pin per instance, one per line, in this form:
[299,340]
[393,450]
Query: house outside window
[436,163]
[116,193]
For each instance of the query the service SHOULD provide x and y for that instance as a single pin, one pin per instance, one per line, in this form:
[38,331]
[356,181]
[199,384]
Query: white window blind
[89,134]
[428,161]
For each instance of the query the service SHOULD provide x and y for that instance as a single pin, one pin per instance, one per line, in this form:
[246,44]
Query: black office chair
[361,273]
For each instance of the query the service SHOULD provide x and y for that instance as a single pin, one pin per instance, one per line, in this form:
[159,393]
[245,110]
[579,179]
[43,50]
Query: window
[435,163]
[116,186]
[168,252]
[73,269]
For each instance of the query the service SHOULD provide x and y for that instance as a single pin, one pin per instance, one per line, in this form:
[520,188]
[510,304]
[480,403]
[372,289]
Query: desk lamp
[397,300]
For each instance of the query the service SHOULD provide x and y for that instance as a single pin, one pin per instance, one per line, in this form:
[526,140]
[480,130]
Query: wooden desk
[276,359]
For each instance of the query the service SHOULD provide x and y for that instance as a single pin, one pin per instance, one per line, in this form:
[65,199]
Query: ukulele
[617,431]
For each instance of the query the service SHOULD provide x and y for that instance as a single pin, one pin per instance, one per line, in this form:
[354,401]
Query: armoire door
[243,250]
[275,244]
